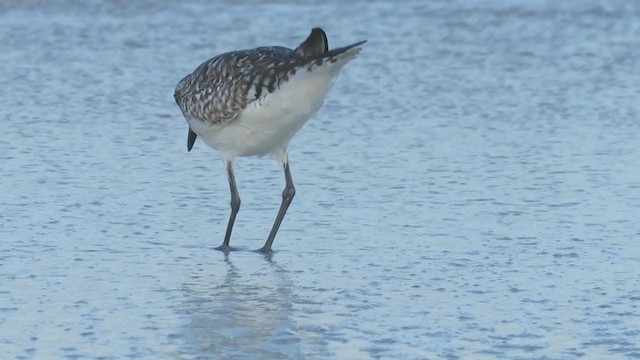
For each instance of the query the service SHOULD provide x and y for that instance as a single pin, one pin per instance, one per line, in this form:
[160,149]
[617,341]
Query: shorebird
[252,102]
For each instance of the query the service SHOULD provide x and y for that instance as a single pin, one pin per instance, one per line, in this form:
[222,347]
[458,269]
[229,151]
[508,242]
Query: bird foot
[226,248]
[265,250]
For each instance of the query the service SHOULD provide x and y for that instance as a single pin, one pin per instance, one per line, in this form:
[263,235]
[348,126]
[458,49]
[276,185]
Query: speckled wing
[220,88]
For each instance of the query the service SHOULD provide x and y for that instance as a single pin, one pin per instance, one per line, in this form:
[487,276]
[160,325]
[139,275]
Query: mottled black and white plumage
[252,102]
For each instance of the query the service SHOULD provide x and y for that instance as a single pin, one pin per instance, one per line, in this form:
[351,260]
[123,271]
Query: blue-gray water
[471,189]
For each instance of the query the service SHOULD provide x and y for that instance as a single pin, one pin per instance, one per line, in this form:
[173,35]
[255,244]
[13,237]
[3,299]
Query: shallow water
[470,189]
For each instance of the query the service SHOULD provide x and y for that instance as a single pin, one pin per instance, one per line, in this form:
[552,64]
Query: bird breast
[268,124]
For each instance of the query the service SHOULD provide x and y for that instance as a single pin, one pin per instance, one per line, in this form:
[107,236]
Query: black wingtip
[340,50]
[191,139]
[356,44]
[316,43]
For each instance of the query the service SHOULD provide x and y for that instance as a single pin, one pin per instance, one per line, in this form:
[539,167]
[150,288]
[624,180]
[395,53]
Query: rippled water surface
[470,190]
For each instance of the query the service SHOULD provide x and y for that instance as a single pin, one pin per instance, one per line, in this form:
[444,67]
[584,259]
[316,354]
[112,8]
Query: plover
[252,102]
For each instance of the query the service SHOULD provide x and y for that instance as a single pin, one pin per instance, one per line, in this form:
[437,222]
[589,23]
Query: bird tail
[349,52]
[332,60]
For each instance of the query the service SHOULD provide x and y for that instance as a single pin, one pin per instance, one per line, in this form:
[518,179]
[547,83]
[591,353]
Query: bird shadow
[244,313]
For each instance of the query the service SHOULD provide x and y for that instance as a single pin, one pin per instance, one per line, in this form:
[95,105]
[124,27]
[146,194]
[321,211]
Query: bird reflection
[245,314]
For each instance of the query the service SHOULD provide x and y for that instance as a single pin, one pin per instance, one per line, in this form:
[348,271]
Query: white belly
[266,126]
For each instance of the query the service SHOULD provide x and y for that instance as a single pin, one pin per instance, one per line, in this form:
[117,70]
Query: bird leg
[287,195]
[235,207]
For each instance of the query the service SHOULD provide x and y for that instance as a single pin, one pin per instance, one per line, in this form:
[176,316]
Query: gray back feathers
[221,87]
